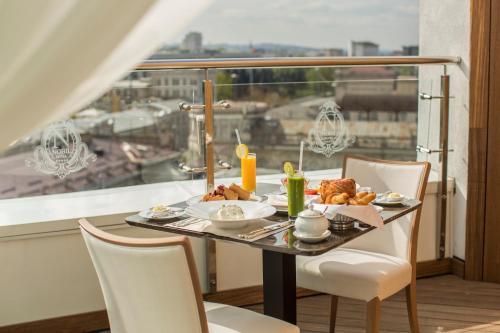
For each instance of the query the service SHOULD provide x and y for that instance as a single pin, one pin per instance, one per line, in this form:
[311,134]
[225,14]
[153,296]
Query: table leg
[279,285]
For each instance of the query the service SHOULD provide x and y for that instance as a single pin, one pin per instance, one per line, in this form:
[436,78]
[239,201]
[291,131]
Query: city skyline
[327,23]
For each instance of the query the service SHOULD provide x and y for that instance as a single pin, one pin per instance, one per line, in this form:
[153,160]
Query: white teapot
[311,223]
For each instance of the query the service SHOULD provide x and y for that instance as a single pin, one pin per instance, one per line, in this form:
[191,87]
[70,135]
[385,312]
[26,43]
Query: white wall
[445,31]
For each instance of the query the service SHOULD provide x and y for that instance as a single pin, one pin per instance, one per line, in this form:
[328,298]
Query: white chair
[151,285]
[378,264]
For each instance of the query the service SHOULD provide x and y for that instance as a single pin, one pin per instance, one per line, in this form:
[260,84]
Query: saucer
[312,239]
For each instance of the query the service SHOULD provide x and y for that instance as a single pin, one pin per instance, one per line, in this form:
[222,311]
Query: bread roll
[230,194]
[344,185]
[339,199]
[338,186]
[212,197]
[360,195]
[363,200]
[242,194]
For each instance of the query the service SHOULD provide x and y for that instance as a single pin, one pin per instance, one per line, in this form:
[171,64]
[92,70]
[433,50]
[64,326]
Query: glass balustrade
[135,133]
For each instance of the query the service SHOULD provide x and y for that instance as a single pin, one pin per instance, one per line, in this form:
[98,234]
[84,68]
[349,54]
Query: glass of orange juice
[249,172]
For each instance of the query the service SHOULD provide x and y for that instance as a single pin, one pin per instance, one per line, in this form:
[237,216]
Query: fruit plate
[198,198]
[252,210]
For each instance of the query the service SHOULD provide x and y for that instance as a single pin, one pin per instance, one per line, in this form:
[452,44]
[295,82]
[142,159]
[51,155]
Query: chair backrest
[149,285]
[398,238]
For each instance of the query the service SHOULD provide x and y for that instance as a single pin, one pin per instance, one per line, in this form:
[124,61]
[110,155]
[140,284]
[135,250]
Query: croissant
[230,194]
[242,194]
[339,199]
[337,186]
[362,199]
[360,195]
[212,197]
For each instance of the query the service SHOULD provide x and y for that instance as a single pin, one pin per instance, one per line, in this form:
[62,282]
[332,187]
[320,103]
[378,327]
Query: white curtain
[58,55]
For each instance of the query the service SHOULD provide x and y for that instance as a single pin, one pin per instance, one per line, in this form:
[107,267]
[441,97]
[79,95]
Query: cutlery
[184,223]
[263,230]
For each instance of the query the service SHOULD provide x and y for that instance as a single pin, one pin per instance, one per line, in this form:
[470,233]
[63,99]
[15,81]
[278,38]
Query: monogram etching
[330,133]
[61,151]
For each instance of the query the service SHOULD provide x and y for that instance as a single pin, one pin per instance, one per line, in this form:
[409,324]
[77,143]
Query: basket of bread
[337,192]
[343,192]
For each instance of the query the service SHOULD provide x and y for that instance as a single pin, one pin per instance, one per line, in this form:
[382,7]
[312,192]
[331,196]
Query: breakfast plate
[387,201]
[199,198]
[161,212]
[230,214]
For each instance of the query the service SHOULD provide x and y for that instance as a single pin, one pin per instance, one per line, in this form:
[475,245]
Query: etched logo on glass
[330,133]
[61,151]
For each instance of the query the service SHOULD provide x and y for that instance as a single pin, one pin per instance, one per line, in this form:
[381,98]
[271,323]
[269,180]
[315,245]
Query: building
[332,52]
[178,84]
[363,49]
[410,50]
[132,90]
[192,42]
[364,81]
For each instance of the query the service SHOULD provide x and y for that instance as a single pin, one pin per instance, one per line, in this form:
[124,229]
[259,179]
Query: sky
[315,23]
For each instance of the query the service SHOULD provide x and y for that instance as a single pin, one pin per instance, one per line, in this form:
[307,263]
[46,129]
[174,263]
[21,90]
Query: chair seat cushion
[354,273]
[230,319]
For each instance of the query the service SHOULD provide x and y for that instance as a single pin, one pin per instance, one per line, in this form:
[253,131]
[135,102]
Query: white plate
[252,210]
[283,208]
[174,212]
[389,201]
[310,239]
[198,198]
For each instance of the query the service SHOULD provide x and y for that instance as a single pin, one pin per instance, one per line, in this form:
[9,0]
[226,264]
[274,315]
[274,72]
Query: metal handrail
[294,62]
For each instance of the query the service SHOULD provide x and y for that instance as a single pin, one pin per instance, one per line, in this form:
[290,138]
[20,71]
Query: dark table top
[284,241]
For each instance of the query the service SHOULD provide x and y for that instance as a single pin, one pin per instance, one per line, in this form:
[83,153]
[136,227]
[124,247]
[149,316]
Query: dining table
[280,249]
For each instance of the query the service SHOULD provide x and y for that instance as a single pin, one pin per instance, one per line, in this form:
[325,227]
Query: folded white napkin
[368,214]
[279,200]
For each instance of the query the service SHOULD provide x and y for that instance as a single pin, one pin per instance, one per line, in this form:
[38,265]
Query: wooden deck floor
[445,304]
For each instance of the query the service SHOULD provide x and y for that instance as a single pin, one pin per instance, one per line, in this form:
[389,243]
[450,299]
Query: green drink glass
[295,189]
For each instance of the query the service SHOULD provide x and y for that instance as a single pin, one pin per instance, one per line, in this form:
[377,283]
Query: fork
[263,230]
[184,223]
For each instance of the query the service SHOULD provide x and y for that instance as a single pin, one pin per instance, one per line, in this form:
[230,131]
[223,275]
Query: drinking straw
[301,155]
[238,136]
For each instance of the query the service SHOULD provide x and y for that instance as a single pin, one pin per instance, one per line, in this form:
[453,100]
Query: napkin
[368,214]
[279,200]
[207,227]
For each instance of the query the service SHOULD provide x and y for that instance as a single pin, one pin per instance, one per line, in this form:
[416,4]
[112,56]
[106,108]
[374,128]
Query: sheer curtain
[58,55]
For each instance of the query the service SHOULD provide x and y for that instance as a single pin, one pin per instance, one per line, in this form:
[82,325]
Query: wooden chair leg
[373,316]
[333,312]
[411,305]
